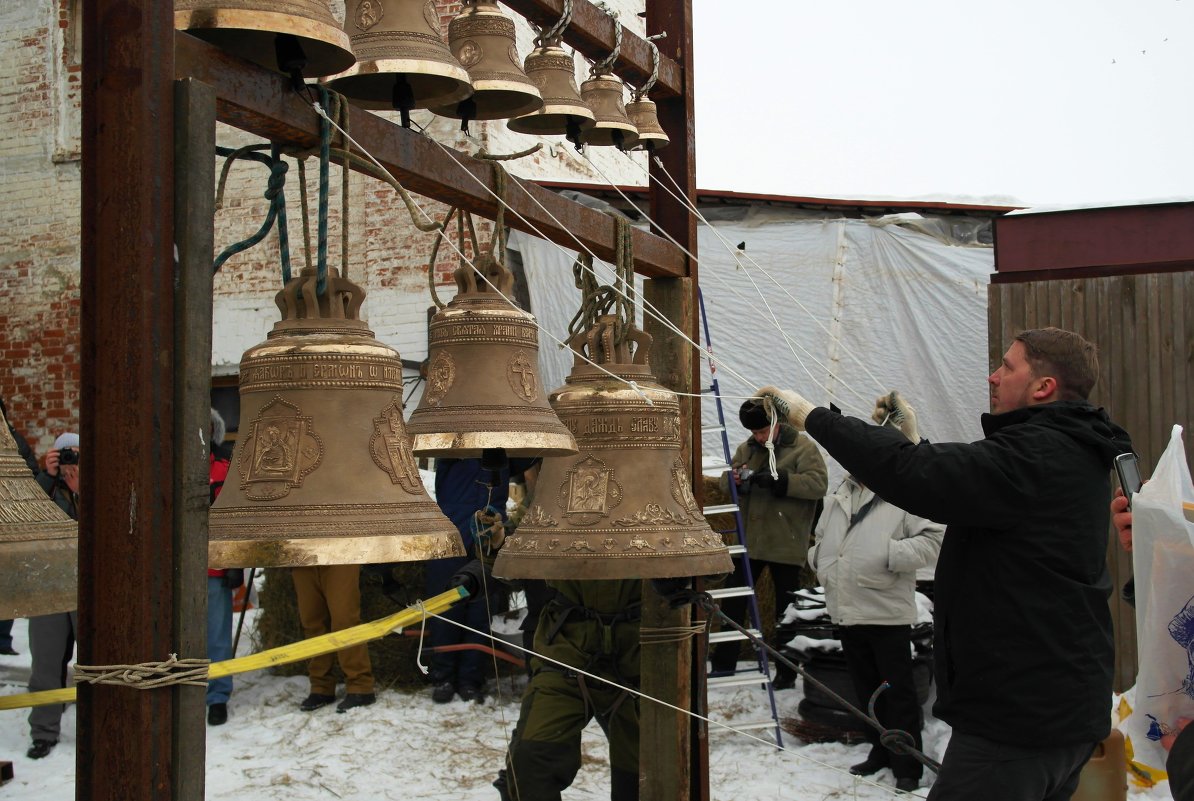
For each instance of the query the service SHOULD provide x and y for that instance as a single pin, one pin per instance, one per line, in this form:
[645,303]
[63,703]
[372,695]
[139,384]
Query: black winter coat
[1023,641]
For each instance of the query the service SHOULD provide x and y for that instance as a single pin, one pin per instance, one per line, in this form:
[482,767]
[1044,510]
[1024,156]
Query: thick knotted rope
[147,675]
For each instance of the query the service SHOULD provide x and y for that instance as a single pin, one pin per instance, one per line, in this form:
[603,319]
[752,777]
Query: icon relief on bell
[682,489]
[589,491]
[280,450]
[369,13]
[470,53]
[440,375]
[431,15]
[390,448]
[522,377]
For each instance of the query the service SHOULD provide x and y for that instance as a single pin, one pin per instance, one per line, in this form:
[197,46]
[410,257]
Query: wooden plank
[261,102]
[592,34]
[194,213]
[127,739]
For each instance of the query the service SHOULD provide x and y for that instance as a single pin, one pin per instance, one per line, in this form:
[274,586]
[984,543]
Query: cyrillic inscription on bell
[624,507]
[326,474]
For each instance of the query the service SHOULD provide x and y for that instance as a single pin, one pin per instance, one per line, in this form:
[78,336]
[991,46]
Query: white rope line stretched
[773,279]
[733,252]
[647,306]
[633,385]
[639,694]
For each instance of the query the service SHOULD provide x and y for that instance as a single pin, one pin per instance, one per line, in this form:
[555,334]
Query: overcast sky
[1032,101]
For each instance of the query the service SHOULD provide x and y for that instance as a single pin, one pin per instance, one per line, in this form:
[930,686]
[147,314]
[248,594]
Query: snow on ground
[406,748]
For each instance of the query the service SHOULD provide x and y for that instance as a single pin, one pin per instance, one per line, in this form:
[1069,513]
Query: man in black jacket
[1024,651]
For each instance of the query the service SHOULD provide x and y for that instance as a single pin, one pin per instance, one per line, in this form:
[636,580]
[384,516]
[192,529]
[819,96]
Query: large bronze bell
[483,389]
[604,94]
[322,472]
[39,543]
[623,507]
[563,112]
[645,117]
[482,39]
[268,33]
[402,62]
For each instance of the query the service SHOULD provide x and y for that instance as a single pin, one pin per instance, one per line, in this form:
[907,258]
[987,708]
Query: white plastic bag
[1163,563]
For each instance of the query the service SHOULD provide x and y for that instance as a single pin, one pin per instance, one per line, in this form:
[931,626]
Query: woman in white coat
[866,557]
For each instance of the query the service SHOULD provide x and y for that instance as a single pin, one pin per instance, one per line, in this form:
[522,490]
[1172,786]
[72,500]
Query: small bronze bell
[613,128]
[402,63]
[297,34]
[483,389]
[39,543]
[623,508]
[322,472]
[482,39]
[643,114]
[563,112]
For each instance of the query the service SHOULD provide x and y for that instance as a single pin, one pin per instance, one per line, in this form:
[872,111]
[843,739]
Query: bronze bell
[563,112]
[402,62]
[322,472]
[643,114]
[603,93]
[39,543]
[300,34]
[483,389]
[482,39]
[623,507]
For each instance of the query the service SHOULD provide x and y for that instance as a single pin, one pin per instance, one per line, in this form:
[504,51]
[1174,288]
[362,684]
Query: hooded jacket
[867,559]
[778,526]
[1023,641]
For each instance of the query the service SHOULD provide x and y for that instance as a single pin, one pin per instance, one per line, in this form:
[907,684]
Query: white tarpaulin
[857,307]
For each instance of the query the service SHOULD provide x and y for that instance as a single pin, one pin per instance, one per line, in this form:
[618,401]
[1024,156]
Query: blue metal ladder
[763,673]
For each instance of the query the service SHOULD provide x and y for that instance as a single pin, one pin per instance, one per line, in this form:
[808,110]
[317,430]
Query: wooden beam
[262,102]
[127,738]
[592,34]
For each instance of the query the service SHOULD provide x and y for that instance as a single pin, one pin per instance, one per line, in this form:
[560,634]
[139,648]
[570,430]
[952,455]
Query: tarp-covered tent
[841,309]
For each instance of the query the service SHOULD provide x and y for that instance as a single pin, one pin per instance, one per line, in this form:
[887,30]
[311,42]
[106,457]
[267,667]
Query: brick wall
[39,221]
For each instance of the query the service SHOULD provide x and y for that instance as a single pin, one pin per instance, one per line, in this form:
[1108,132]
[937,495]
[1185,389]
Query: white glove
[893,410]
[787,404]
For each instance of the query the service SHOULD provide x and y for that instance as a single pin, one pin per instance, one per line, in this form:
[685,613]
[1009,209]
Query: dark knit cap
[753,416]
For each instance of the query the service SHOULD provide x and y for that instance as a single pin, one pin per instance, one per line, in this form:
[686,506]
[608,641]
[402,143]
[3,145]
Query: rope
[696,716]
[553,33]
[640,93]
[669,634]
[325,144]
[302,168]
[147,675]
[603,66]
[631,384]
[274,193]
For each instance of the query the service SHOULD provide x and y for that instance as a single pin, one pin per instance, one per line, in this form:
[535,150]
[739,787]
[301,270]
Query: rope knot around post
[146,675]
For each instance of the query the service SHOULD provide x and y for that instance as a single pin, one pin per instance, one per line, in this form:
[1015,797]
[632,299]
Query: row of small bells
[389,56]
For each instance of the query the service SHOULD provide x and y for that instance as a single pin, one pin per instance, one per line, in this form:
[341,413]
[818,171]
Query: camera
[68,456]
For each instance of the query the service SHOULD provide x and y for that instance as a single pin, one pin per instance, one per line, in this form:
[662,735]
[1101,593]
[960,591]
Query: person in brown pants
[329,599]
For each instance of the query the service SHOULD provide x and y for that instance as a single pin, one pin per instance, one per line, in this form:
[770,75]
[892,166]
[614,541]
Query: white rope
[774,280]
[633,385]
[772,424]
[689,712]
[733,252]
[647,306]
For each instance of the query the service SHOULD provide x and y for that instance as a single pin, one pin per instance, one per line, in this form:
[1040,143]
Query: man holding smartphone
[1023,641]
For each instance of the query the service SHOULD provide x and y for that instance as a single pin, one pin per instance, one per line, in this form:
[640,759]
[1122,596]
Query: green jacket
[777,528]
[608,644]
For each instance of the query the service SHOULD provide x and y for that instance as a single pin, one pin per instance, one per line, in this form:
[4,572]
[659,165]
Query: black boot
[315,701]
[41,748]
[353,700]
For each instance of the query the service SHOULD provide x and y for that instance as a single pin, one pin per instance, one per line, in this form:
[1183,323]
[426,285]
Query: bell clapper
[291,59]
[467,109]
[403,98]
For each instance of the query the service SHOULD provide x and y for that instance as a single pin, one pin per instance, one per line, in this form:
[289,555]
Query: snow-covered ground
[407,748]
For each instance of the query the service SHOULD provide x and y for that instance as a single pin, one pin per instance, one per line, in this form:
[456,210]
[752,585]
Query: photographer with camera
[52,637]
[777,512]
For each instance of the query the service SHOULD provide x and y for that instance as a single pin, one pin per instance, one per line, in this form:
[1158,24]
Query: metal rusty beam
[592,34]
[261,102]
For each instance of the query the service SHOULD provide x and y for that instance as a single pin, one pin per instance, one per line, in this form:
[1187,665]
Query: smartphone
[1127,467]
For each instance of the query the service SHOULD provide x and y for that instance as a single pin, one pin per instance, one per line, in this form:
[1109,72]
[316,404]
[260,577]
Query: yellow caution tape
[295,652]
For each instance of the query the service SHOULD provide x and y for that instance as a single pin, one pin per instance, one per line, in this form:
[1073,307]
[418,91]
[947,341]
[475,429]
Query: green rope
[325,145]
[274,192]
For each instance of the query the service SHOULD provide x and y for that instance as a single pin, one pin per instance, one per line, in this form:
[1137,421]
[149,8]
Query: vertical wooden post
[194,226]
[674,765]
[126,737]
